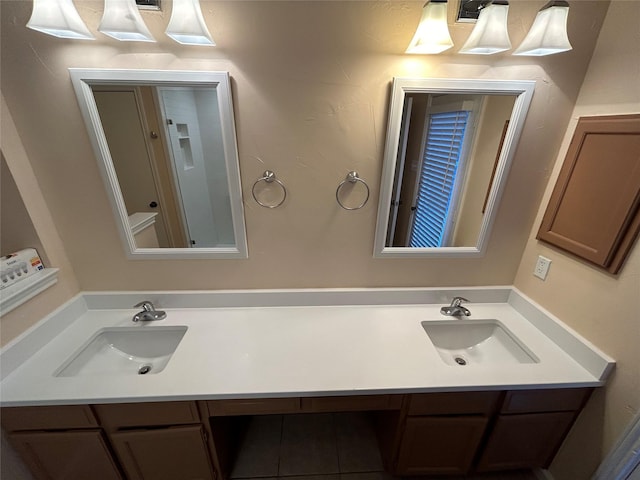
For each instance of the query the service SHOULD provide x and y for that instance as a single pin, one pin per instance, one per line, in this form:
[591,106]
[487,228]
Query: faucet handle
[457,301]
[146,305]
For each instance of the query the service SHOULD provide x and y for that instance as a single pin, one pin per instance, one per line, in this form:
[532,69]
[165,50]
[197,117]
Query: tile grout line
[280,445]
[335,443]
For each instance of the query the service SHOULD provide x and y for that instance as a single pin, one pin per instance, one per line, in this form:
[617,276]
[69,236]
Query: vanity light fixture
[548,34]
[490,34]
[122,21]
[187,25]
[432,35]
[58,18]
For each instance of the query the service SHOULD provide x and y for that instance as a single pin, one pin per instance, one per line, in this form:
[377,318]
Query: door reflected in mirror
[166,146]
[448,148]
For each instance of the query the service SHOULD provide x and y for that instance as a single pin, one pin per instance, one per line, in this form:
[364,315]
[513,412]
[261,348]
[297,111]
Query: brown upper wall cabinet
[594,210]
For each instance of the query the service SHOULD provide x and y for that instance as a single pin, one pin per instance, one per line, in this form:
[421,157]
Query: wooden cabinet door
[439,445]
[70,455]
[525,441]
[594,210]
[175,453]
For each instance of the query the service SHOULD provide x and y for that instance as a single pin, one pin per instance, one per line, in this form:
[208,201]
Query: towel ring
[269,177]
[352,177]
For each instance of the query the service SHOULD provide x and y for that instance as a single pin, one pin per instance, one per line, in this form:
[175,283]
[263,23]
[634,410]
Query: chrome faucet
[456,309]
[148,312]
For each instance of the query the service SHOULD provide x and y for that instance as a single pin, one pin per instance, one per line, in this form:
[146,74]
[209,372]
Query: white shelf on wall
[26,289]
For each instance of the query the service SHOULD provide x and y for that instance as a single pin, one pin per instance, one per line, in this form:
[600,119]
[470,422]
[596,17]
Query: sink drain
[460,360]
[144,369]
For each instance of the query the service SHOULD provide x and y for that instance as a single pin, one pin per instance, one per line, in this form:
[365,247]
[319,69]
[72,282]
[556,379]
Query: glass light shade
[548,34]
[187,25]
[432,35]
[490,35]
[122,21]
[58,18]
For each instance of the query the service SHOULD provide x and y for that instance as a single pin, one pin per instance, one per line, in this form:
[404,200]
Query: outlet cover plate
[542,267]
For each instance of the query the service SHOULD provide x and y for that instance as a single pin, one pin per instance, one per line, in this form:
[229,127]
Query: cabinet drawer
[48,418]
[555,400]
[119,415]
[354,403]
[458,403]
[253,406]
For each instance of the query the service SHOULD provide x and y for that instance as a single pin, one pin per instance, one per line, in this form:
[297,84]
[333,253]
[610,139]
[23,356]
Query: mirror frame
[522,89]
[83,79]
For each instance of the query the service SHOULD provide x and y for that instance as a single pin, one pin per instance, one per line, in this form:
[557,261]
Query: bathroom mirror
[448,149]
[166,147]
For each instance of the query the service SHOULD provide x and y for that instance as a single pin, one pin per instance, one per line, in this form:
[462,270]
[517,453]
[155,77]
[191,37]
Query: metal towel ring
[269,177]
[352,177]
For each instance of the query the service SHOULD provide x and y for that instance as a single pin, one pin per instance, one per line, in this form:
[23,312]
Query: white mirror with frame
[166,147]
[449,146]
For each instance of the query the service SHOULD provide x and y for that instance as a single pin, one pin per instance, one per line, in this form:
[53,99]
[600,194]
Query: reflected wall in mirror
[166,145]
[448,148]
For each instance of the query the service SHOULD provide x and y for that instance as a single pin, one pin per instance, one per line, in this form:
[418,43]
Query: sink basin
[476,342]
[124,351]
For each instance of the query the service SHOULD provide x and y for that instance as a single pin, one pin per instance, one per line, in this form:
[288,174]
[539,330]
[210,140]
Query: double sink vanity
[92,392]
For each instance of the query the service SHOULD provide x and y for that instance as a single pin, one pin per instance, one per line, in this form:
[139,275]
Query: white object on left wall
[22,277]
[18,266]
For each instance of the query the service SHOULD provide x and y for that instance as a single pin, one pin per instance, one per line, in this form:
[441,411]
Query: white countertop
[240,352]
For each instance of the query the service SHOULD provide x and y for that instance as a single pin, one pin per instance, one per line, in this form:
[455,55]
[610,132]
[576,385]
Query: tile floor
[328,446]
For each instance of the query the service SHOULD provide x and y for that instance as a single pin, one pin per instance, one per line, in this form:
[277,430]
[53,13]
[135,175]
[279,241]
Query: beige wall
[16,230]
[311,84]
[41,230]
[598,305]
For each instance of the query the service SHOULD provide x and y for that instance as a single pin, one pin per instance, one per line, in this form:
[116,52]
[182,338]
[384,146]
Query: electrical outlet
[542,267]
